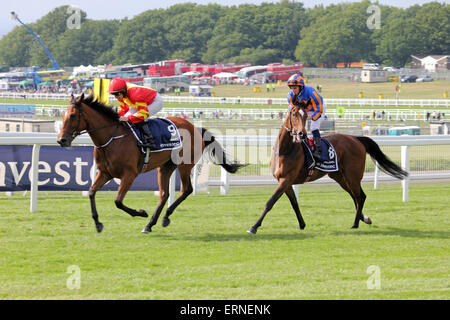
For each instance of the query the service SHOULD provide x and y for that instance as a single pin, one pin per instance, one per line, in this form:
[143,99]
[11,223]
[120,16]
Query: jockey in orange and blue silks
[315,107]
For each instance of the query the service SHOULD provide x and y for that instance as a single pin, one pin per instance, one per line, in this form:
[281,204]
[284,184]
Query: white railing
[225,181]
[404,142]
[220,112]
[429,103]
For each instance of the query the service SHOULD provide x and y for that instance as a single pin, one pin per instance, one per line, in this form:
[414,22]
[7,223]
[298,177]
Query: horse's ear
[81,98]
[72,98]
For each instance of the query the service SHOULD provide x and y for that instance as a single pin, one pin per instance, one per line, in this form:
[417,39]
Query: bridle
[77,132]
[296,136]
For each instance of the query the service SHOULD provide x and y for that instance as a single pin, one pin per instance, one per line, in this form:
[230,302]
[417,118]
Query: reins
[79,133]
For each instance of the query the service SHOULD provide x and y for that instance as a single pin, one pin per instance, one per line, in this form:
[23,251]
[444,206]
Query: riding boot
[149,141]
[317,148]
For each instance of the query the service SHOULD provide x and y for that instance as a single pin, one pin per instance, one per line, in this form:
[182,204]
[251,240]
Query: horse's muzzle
[298,137]
[65,141]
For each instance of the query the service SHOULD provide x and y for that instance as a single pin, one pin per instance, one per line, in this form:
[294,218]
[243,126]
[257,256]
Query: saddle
[164,132]
[328,159]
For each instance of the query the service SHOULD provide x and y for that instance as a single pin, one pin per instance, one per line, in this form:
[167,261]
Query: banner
[61,169]
[101,87]
[12,110]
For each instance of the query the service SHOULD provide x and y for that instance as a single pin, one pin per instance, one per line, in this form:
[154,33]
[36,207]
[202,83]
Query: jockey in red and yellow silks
[136,104]
[315,108]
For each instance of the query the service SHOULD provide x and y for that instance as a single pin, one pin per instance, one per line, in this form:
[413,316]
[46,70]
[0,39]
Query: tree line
[259,34]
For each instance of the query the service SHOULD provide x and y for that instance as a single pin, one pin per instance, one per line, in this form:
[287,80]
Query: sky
[31,11]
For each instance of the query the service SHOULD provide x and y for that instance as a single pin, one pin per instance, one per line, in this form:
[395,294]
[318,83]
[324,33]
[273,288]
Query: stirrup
[317,153]
[148,144]
[146,159]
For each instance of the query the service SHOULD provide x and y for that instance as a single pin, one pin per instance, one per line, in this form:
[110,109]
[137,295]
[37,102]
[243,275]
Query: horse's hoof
[252,230]
[165,222]
[355,226]
[367,220]
[143,213]
[146,230]
[99,227]
[302,227]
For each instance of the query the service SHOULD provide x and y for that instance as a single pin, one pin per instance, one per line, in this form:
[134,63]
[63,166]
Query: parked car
[411,78]
[390,69]
[371,66]
[424,79]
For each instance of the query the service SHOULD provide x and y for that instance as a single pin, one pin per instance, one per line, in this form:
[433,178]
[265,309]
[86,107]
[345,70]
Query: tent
[192,73]
[26,83]
[225,75]
[88,84]
[47,83]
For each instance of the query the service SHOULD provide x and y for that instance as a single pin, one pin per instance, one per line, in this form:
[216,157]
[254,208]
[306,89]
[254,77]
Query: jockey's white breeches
[156,105]
[153,108]
[315,124]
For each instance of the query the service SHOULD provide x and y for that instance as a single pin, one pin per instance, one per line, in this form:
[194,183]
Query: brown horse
[288,165]
[117,155]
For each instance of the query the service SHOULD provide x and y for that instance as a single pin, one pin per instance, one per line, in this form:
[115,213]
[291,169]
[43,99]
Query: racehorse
[288,165]
[117,155]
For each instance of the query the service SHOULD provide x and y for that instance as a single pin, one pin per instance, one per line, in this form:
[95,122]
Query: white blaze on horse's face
[299,128]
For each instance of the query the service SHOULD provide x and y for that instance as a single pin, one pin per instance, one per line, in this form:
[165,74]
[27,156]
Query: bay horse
[117,155]
[288,165]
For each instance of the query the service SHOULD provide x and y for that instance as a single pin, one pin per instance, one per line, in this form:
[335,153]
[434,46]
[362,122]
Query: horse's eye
[72,117]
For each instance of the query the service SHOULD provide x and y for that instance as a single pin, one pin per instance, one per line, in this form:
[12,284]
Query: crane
[14,16]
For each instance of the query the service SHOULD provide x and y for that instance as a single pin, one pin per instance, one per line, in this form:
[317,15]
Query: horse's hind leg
[293,199]
[125,183]
[357,194]
[99,182]
[362,199]
[186,190]
[164,173]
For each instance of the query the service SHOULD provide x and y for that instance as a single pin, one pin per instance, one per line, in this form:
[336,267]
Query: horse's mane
[100,107]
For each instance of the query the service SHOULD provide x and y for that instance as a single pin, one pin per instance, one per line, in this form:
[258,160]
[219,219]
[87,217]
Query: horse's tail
[373,149]
[218,153]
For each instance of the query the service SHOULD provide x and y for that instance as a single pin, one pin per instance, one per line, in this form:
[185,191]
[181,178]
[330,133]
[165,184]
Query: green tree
[263,28]
[15,47]
[232,33]
[432,19]
[188,29]
[415,30]
[341,35]
[89,44]
[141,39]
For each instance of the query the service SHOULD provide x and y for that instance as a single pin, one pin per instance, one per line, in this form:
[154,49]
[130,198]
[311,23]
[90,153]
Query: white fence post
[34,174]
[224,181]
[172,183]
[194,179]
[375,176]
[405,166]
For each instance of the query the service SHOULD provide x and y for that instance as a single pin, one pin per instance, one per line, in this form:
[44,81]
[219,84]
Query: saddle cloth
[164,132]
[328,160]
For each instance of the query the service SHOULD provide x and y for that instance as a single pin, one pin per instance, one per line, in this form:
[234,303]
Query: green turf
[206,253]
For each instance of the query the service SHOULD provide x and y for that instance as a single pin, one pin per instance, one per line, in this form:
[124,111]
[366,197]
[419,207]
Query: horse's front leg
[283,184]
[293,199]
[125,183]
[99,182]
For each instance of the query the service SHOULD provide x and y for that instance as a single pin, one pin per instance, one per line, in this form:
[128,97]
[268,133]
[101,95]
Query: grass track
[206,253]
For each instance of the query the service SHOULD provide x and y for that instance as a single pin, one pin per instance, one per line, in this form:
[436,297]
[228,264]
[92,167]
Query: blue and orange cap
[296,80]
